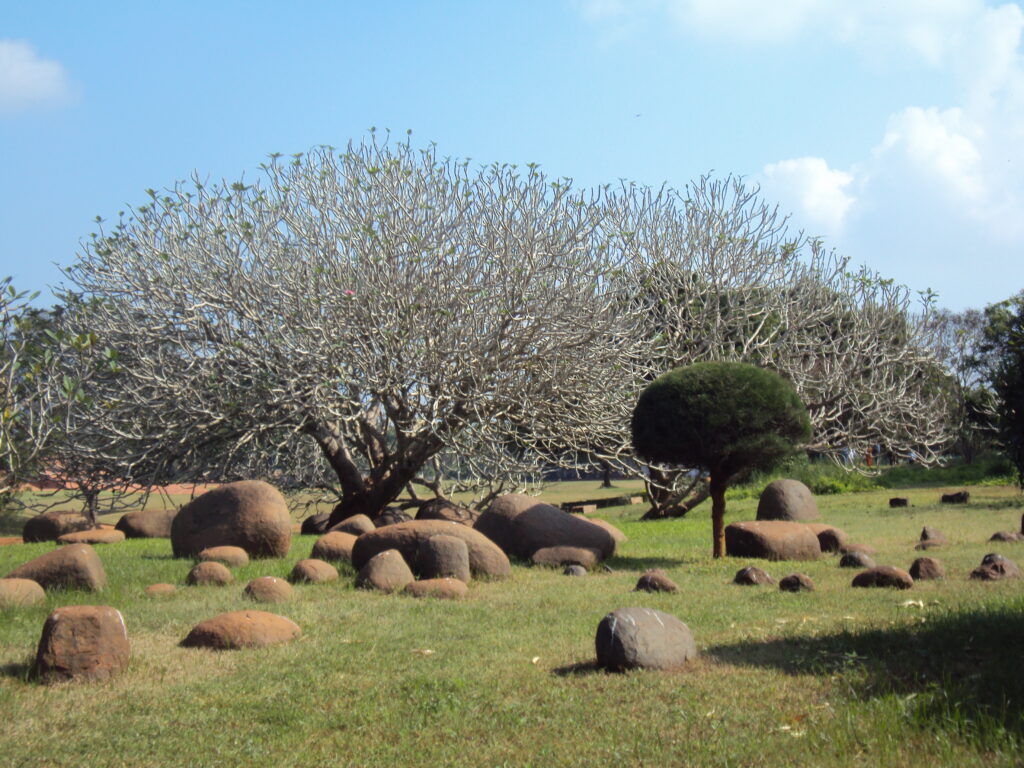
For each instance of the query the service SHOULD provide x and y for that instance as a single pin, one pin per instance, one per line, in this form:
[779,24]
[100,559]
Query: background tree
[724,418]
[1001,357]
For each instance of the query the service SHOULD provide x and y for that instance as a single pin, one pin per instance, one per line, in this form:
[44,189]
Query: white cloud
[817,193]
[28,80]
[751,20]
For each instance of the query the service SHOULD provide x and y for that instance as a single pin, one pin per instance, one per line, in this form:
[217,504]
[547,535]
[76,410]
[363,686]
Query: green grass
[835,677]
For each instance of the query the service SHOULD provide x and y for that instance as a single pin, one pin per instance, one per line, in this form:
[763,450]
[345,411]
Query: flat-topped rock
[21,593]
[237,630]
[232,557]
[73,566]
[444,588]
[772,540]
[886,576]
[82,643]
[93,536]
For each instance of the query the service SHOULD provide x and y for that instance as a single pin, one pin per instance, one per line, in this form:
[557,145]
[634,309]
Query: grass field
[839,676]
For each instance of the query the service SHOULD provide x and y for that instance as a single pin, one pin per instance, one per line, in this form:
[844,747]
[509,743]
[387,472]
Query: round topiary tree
[725,418]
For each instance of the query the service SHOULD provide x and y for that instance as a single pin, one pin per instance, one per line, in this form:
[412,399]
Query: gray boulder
[643,638]
[787,500]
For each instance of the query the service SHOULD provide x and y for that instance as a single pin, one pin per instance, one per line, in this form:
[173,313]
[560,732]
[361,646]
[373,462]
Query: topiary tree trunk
[718,487]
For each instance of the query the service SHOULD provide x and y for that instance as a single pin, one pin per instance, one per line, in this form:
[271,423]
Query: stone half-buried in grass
[209,574]
[445,588]
[884,576]
[752,576]
[796,582]
[94,536]
[313,571]
[643,638]
[20,593]
[268,589]
[655,580]
[232,557]
[147,524]
[242,629]
[160,590]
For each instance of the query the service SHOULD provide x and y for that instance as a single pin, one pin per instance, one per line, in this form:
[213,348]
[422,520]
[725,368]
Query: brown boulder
[391,516]
[147,524]
[521,525]
[830,538]
[334,546]
[772,540]
[386,571]
[443,556]
[49,526]
[94,536]
[751,576]
[884,576]
[160,590]
[485,558]
[242,629]
[898,501]
[233,557]
[313,571]
[209,574]
[83,643]
[556,557]
[268,589]
[444,588]
[356,525]
[850,547]
[315,524]
[19,593]
[796,582]
[856,560]
[75,566]
[995,567]
[926,569]
[932,535]
[787,500]
[1007,536]
[250,514]
[960,497]
[442,509]
[655,580]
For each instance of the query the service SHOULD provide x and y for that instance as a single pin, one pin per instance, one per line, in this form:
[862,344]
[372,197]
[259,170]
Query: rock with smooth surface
[147,524]
[752,576]
[926,569]
[236,630]
[574,570]
[232,557]
[886,576]
[772,540]
[250,514]
[386,571]
[160,590]
[268,589]
[486,560]
[443,556]
[442,509]
[94,536]
[315,524]
[643,638]
[84,643]
[356,525]
[1007,536]
[655,580]
[74,566]
[796,582]
[313,571]
[787,500]
[444,588]
[334,547]
[856,560]
[616,534]
[521,525]
[49,526]
[391,516]
[556,557]
[21,593]
[830,538]
[209,574]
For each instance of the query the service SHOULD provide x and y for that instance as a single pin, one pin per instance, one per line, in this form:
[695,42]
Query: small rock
[242,629]
[442,509]
[315,524]
[752,576]
[898,501]
[930,534]
[356,525]
[574,570]
[233,557]
[391,516]
[960,497]
[386,571]
[209,574]
[160,590]
[927,569]
[655,580]
[444,588]
[334,547]
[995,567]
[313,571]
[20,593]
[856,560]
[884,576]
[94,536]
[830,538]
[1007,536]
[441,556]
[643,638]
[796,582]
[82,643]
[566,555]
[268,589]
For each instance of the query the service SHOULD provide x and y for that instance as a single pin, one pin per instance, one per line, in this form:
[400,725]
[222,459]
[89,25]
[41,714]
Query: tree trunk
[91,502]
[718,515]
[606,475]
[666,503]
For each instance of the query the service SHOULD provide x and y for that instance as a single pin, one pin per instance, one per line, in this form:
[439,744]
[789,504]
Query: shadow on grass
[578,669]
[17,671]
[619,562]
[958,671]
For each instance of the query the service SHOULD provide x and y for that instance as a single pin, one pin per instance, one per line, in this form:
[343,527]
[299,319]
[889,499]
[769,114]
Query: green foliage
[725,417]
[1003,354]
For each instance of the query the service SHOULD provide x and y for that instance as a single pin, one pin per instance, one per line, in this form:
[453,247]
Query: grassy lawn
[835,677]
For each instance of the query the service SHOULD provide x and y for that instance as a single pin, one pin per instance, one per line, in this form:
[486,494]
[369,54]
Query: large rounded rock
[485,558]
[232,557]
[334,547]
[442,556]
[521,525]
[442,509]
[147,524]
[83,643]
[268,589]
[643,638]
[250,514]
[772,540]
[313,571]
[94,536]
[356,525]
[884,576]
[242,629]
[49,526]
[209,574]
[556,557]
[830,538]
[787,500]
[926,569]
[386,571]
[444,588]
[75,566]
[20,593]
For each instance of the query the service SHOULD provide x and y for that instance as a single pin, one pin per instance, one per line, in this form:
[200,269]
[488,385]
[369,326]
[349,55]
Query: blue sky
[893,129]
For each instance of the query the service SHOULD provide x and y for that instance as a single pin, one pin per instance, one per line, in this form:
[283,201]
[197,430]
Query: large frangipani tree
[380,316]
